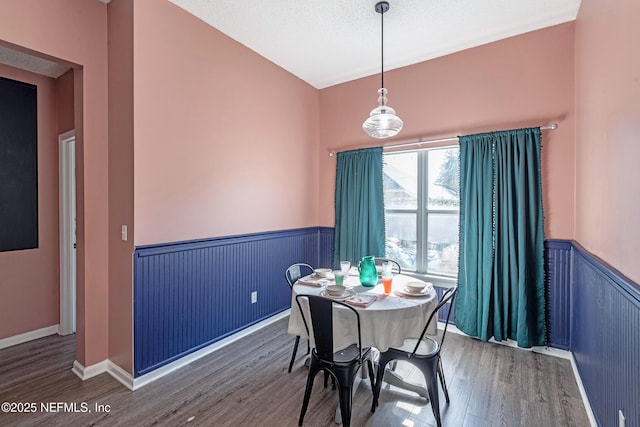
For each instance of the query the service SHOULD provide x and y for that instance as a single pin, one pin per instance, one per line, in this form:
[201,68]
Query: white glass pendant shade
[382,122]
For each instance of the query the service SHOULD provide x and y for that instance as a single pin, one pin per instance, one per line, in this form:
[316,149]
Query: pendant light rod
[381,8]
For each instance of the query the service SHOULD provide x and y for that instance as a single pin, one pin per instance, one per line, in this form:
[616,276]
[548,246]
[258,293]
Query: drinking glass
[386,282]
[344,267]
[387,277]
[339,276]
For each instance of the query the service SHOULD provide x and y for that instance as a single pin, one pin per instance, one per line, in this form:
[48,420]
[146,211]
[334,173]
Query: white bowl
[323,272]
[415,287]
[335,290]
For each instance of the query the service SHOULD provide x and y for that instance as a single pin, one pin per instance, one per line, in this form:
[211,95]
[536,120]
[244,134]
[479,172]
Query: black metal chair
[424,353]
[342,365]
[292,274]
[395,264]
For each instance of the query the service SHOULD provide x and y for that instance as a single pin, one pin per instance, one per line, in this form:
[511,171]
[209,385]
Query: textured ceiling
[332,41]
[31,63]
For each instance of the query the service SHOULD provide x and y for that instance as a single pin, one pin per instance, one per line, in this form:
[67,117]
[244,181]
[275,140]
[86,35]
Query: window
[421,196]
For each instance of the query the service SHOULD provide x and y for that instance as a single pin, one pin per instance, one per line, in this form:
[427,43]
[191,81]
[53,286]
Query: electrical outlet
[254,297]
[622,421]
[124,233]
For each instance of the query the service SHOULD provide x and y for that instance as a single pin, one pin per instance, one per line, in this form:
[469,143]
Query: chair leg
[430,373]
[326,380]
[435,400]
[295,350]
[371,377]
[313,370]
[443,383]
[345,404]
[382,364]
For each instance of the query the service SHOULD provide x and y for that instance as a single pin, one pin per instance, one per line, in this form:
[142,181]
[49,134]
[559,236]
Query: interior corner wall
[526,80]
[607,129]
[81,270]
[120,22]
[226,142]
[30,277]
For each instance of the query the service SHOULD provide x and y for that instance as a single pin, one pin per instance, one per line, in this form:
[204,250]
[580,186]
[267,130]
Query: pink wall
[30,278]
[607,129]
[521,81]
[75,31]
[226,142]
[64,102]
[120,14]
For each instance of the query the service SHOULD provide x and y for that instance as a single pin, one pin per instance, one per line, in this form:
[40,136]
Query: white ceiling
[332,41]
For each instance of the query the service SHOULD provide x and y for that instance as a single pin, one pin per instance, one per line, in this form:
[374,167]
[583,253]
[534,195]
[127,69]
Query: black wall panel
[18,165]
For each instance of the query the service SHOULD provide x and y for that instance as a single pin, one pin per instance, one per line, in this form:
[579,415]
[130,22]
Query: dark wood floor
[247,384]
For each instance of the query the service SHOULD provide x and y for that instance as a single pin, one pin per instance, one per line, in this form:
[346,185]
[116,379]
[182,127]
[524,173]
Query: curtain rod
[552,126]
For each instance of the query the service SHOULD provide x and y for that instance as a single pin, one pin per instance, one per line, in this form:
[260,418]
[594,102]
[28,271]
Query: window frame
[422,213]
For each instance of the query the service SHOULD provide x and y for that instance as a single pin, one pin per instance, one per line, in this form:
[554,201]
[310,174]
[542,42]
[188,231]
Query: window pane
[421,190]
[444,178]
[400,172]
[401,239]
[442,245]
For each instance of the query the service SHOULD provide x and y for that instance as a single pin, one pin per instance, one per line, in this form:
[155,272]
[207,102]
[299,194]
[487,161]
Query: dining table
[385,323]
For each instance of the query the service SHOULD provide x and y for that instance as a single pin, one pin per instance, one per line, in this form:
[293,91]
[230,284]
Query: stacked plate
[323,273]
[415,289]
[337,292]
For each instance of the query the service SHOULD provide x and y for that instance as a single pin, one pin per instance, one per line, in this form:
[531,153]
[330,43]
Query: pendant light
[382,121]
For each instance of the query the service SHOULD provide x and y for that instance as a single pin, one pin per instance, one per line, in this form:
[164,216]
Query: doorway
[67,230]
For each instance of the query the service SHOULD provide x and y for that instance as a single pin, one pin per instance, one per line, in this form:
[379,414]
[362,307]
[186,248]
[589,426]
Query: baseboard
[145,379]
[563,354]
[583,392]
[127,380]
[28,336]
[106,366]
[120,375]
[84,373]
[555,352]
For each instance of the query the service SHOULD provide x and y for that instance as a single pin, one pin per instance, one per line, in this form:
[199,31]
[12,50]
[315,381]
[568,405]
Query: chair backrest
[395,264]
[447,297]
[321,313]
[296,271]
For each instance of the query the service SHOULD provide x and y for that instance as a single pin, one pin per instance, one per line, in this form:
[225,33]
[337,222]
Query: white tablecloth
[385,323]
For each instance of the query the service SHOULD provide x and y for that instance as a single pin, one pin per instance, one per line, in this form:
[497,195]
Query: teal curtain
[359,229]
[501,279]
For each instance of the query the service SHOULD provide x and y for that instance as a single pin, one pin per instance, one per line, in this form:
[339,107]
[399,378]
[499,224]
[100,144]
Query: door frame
[67,232]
